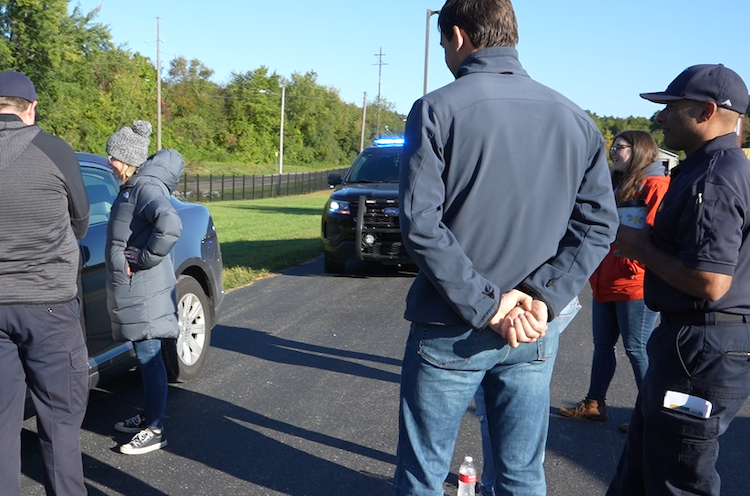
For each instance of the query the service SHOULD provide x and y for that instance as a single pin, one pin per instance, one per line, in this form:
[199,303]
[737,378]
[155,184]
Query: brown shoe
[588,409]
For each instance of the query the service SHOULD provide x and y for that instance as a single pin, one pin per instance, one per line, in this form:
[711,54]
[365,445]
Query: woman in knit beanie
[141,295]
[127,149]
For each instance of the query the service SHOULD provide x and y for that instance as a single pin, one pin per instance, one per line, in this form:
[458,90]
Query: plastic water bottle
[467,478]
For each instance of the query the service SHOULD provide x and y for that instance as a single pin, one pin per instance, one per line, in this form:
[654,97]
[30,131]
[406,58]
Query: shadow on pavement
[232,440]
[273,348]
[595,447]
[355,269]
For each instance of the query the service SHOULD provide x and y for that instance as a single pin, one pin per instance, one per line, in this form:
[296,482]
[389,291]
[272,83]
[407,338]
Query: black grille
[374,217]
[386,249]
[383,227]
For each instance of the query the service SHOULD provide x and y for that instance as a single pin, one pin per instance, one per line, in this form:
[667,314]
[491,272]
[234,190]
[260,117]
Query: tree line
[88,87]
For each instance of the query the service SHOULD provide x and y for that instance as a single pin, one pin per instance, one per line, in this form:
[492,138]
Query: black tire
[332,265]
[185,356]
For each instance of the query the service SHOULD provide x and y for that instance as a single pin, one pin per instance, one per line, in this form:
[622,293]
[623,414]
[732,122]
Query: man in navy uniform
[697,259]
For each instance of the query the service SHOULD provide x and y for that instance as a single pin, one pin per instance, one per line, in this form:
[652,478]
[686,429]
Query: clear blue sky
[598,53]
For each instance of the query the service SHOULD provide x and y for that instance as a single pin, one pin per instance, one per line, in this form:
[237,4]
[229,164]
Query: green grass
[262,237]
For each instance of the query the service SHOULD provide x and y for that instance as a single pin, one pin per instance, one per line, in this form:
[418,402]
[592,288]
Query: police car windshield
[376,167]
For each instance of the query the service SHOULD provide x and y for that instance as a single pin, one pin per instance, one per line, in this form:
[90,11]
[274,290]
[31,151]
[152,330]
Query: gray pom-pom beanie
[130,144]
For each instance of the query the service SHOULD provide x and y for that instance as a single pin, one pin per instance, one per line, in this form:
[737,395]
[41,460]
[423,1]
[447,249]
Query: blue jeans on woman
[632,320]
[154,376]
[442,369]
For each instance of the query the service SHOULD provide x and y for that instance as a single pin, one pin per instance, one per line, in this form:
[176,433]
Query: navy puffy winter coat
[143,305]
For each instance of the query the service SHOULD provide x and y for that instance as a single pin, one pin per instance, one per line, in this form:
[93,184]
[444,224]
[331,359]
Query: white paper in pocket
[685,403]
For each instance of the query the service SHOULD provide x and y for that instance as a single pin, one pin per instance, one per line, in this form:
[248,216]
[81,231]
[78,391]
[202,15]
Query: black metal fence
[197,188]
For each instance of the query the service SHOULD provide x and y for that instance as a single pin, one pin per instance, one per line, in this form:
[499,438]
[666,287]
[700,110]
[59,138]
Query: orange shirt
[621,279]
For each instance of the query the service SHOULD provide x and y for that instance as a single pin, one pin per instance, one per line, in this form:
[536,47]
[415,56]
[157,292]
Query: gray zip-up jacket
[504,184]
[143,305]
[43,209]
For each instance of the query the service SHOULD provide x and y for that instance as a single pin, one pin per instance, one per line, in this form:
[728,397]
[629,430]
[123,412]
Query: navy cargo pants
[42,347]
[669,452]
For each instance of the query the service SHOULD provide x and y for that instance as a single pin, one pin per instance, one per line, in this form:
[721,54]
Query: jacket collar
[705,152]
[165,165]
[10,118]
[495,60]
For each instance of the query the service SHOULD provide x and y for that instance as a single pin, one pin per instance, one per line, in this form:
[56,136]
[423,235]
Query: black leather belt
[702,318]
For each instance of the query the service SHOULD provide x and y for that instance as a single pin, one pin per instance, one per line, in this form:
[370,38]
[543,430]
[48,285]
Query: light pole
[281,128]
[427,46]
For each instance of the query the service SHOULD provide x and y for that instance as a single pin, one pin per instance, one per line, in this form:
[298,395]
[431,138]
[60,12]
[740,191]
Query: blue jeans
[488,467]
[669,452]
[632,320]
[154,376]
[442,369]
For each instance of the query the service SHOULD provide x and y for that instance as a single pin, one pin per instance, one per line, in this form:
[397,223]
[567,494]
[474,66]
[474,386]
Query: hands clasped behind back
[519,318]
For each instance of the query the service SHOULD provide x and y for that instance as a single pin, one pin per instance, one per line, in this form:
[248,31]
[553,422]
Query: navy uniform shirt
[704,220]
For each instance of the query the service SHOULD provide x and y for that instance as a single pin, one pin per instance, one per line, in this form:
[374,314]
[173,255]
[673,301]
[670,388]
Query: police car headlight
[339,207]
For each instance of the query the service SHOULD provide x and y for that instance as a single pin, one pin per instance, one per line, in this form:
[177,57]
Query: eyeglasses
[617,148]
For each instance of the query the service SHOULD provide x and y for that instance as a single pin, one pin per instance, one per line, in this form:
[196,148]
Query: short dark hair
[488,23]
[15,103]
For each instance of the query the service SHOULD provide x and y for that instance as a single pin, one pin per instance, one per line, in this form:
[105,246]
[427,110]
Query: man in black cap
[44,210]
[697,259]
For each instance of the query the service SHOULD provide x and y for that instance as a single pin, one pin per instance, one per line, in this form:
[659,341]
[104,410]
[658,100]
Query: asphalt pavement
[300,397]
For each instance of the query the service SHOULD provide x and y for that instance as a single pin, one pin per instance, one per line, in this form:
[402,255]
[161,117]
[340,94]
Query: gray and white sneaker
[132,425]
[144,442]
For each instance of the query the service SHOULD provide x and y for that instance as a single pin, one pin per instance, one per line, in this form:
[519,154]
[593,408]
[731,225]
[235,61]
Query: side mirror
[85,253]
[334,180]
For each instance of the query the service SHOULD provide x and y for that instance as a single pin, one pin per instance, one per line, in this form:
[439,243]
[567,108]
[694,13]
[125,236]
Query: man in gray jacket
[44,210]
[506,208]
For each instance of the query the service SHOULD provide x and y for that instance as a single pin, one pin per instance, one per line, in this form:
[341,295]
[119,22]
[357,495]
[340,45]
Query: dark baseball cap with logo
[17,85]
[706,83]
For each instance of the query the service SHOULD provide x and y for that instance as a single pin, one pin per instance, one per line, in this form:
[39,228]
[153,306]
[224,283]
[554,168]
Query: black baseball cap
[706,83]
[17,85]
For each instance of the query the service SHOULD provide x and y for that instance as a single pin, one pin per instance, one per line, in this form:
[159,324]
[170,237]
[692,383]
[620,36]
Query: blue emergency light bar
[389,142]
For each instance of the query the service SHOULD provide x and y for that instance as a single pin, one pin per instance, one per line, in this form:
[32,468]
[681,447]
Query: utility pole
[158,86]
[364,116]
[430,13]
[380,65]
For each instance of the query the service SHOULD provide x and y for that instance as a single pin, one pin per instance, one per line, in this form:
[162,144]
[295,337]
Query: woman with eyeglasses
[617,285]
